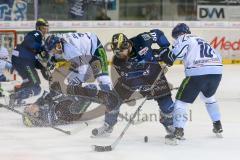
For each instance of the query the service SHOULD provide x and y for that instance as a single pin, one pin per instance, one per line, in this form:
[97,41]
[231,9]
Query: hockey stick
[111,147]
[137,122]
[35,119]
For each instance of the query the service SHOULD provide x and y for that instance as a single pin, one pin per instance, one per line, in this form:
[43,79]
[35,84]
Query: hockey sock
[213,111]
[180,114]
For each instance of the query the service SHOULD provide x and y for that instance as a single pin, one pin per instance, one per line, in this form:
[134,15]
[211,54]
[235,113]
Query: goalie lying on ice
[54,109]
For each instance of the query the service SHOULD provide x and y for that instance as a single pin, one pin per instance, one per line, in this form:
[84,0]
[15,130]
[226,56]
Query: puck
[146,139]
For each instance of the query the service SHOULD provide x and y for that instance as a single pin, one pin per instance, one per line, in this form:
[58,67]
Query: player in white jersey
[4,63]
[203,70]
[85,52]
[88,60]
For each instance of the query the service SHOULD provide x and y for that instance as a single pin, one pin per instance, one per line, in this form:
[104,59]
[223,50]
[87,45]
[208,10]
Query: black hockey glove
[46,74]
[166,56]
[51,63]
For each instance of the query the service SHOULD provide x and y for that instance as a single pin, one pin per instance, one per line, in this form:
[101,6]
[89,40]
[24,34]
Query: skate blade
[219,135]
[171,141]
[102,136]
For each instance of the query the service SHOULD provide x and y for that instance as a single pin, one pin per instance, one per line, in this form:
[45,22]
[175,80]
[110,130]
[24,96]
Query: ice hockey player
[203,70]
[25,62]
[88,60]
[4,63]
[55,108]
[137,69]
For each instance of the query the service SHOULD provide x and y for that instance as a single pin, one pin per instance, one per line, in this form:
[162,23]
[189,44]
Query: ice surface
[20,143]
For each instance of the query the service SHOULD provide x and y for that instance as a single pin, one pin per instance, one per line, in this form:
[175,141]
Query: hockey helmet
[119,42]
[179,29]
[41,22]
[51,42]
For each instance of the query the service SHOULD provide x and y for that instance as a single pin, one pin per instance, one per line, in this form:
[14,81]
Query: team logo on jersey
[143,51]
[36,34]
[146,37]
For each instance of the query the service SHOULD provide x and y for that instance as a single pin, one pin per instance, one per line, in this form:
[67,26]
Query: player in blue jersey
[137,68]
[25,62]
[203,70]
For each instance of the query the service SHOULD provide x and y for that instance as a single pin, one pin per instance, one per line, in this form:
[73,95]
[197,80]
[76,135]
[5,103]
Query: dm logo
[208,12]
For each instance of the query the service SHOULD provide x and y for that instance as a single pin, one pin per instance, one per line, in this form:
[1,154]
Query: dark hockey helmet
[179,29]
[41,22]
[51,42]
[119,42]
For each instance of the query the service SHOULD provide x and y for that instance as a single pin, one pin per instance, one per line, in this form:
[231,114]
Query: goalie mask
[38,116]
[61,111]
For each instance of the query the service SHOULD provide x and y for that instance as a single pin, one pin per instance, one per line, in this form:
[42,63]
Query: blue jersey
[31,45]
[142,67]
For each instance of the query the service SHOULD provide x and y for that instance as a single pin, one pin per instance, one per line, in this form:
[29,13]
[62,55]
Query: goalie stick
[111,147]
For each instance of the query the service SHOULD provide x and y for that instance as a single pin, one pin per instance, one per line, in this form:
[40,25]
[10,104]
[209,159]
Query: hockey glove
[46,74]
[166,56]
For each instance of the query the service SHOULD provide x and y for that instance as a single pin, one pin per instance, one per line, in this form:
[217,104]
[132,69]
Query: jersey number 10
[205,49]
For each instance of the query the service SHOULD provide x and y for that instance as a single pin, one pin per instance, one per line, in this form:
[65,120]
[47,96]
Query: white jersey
[198,56]
[4,65]
[79,48]
[79,45]
[3,52]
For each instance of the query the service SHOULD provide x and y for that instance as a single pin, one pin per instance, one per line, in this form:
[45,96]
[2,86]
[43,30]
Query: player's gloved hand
[105,82]
[51,63]
[91,90]
[159,52]
[167,56]
[46,74]
[44,55]
[163,51]
[105,87]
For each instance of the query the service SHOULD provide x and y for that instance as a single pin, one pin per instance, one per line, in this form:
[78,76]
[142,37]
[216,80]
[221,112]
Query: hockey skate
[173,139]
[103,131]
[167,122]
[217,129]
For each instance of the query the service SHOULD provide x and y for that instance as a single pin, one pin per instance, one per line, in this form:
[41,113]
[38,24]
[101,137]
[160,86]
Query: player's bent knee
[207,99]
[166,104]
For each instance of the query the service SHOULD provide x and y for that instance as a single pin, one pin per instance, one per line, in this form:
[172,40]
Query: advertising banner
[218,12]
[223,36]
